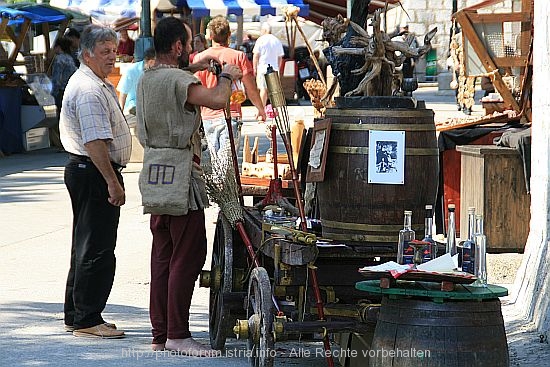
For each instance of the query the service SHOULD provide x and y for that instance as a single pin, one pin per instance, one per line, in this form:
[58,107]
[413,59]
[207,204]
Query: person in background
[125,48]
[168,121]
[487,86]
[74,36]
[95,134]
[63,68]
[409,62]
[248,46]
[268,50]
[128,84]
[199,45]
[215,126]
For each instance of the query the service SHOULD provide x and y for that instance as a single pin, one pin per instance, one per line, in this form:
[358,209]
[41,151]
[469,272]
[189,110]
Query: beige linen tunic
[168,128]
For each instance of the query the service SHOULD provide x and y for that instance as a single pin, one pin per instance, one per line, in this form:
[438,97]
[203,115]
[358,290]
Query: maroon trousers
[177,257]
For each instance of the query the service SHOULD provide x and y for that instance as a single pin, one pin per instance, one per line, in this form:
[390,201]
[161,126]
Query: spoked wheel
[220,321]
[261,344]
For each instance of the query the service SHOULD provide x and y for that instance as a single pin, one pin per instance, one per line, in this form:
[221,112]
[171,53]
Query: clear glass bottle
[451,231]
[430,252]
[405,253]
[481,253]
[469,245]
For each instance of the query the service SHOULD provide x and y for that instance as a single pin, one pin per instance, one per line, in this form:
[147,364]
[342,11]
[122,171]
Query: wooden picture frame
[318,151]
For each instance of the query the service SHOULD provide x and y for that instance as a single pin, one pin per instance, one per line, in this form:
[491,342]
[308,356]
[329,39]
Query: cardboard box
[38,138]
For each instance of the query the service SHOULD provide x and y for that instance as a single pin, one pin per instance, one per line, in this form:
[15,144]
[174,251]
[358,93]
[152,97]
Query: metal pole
[145,39]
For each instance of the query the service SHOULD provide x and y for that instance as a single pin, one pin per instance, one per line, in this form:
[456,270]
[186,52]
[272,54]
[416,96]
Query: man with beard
[171,185]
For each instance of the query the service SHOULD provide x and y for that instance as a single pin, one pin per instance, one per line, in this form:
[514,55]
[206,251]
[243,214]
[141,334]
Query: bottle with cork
[469,246]
[480,253]
[430,252]
[405,253]
[451,231]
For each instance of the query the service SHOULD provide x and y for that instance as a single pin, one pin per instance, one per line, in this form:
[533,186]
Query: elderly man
[268,50]
[96,136]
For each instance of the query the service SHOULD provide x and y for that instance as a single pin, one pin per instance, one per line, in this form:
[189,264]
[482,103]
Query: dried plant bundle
[221,184]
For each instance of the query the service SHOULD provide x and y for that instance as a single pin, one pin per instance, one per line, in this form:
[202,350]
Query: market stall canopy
[102,11]
[21,17]
[107,11]
[250,8]
[43,13]
[321,9]
[17,14]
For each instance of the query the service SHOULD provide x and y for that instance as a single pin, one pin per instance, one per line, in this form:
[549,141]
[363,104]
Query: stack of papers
[444,264]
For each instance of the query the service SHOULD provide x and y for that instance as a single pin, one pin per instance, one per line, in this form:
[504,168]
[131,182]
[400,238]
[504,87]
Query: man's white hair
[266,27]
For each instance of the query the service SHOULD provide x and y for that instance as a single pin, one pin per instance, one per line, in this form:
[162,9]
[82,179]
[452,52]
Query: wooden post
[311,54]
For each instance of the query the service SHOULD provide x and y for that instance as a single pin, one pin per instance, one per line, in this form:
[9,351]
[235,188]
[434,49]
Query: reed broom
[221,184]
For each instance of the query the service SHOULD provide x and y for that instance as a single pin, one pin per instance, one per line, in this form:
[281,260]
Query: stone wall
[423,15]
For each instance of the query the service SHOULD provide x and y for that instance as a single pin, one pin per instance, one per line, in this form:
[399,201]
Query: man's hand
[233,70]
[261,115]
[203,64]
[117,196]
[99,154]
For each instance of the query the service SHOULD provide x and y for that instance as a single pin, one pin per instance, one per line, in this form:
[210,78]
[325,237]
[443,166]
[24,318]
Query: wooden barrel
[351,208]
[414,332]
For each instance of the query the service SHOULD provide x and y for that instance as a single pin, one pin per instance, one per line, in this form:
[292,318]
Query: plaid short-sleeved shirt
[90,111]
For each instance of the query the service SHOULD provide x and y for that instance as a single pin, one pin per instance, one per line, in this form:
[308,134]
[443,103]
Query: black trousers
[95,223]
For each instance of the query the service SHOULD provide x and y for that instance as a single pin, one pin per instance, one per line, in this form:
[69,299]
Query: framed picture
[319,150]
[386,157]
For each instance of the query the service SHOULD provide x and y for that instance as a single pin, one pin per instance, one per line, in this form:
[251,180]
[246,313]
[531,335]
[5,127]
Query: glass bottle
[237,92]
[430,252]
[405,253]
[481,253]
[469,246]
[451,231]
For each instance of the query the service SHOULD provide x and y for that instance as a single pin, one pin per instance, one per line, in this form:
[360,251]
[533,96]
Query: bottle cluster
[472,252]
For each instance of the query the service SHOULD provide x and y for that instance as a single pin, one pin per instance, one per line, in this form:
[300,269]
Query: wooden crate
[492,180]
[451,177]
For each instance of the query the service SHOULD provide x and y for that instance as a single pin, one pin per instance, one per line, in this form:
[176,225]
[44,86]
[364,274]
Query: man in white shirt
[268,50]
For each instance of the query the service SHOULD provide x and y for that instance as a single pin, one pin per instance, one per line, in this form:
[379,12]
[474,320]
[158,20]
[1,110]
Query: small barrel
[415,332]
[351,208]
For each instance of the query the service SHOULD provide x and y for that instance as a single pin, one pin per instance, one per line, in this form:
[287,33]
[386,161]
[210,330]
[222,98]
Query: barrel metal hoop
[339,149]
[392,113]
[361,226]
[360,237]
[383,127]
[393,318]
[389,228]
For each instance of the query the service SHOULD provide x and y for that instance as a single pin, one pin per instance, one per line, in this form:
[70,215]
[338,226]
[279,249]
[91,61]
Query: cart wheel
[260,320]
[220,322]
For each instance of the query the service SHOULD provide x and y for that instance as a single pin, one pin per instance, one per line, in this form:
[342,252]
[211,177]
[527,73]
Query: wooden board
[423,276]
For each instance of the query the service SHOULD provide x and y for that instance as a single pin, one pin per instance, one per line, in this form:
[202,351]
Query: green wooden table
[432,290]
